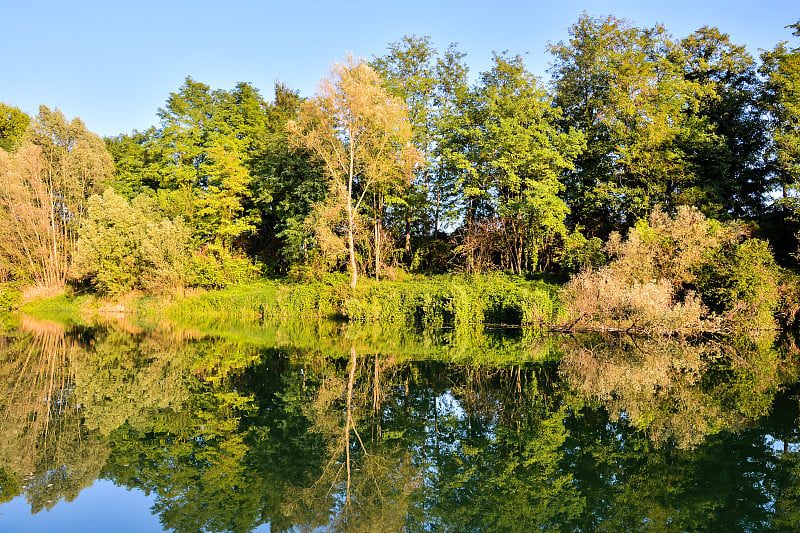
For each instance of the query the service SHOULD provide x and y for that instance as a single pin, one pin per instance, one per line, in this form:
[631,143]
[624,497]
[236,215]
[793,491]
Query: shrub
[577,252]
[680,273]
[214,266]
[10,297]
[741,283]
[121,247]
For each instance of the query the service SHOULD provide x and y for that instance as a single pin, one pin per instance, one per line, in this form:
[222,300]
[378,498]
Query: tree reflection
[227,434]
[675,390]
[47,452]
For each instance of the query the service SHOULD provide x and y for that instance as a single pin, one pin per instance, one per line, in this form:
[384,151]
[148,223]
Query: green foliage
[121,247]
[201,162]
[453,300]
[728,176]
[64,309]
[287,184]
[577,252]
[742,281]
[523,179]
[421,302]
[625,88]
[519,160]
[44,187]
[13,123]
[781,70]
[9,297]
[214,266]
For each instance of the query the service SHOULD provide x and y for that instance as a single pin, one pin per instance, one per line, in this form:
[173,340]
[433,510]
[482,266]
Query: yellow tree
[362,134]
[44,186]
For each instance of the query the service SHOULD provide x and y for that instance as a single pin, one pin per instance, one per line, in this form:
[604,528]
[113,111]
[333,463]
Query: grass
[64,308]
[422,302]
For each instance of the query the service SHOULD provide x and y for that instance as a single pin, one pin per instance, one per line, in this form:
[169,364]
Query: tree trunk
[351,217]
[376,207]
[351,243]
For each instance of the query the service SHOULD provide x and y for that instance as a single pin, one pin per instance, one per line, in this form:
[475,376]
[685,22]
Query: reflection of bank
[673,389]
[46,447]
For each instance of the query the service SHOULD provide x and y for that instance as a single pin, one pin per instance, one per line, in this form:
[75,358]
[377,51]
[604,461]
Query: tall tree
[781,100]
[287,183]
[729,177]
[521,157]
[433,86]
[625,88]
[408,70]
[200,162]
[44,187]
[362,135]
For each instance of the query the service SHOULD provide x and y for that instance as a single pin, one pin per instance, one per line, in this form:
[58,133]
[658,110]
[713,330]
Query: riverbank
[423,302]
[451,300]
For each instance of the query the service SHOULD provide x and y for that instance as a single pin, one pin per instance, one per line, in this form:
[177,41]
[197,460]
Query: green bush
[9,297]
[121,247]
[741,282]
[578,252]
[215,267]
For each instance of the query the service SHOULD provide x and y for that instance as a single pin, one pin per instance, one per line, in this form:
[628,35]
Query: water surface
[328,427]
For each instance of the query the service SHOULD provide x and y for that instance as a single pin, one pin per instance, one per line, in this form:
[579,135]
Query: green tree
[408,71]
[135,163]
[433,86]
[451,98]
[781,99]
[729,178]
[287,184]
[13,123]
[522,157]
[201,159]
[624,88]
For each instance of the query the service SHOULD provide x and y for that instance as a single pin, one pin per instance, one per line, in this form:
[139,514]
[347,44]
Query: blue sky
[113,64]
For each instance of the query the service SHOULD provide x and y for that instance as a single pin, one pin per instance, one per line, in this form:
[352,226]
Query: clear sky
[113,63]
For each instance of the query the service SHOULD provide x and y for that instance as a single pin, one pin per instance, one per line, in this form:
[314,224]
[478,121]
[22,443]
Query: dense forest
[640,147]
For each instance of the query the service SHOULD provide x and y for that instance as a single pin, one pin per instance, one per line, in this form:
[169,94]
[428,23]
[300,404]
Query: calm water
[323,427]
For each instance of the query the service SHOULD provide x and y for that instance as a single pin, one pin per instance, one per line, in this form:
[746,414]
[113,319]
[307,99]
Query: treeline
[402,164]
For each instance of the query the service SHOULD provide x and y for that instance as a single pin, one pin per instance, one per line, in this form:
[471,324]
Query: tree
[409,74]
[286,185]
[362,135]
[781,100]
[728,175]
[44,186]
[433,86]
[451,97]
[624,88]
[521,158]
[13,123]
[200,162]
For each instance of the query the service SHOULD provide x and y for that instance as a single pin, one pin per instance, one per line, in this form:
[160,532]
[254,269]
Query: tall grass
[423,302]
